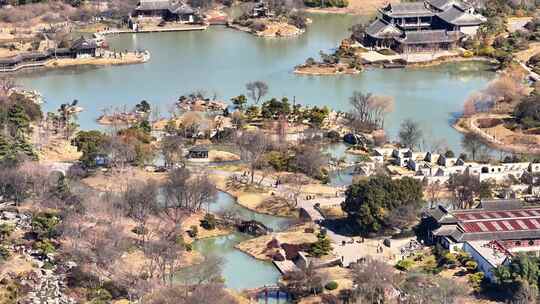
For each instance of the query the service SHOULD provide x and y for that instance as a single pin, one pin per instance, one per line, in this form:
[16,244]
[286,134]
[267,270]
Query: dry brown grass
[195,220]
[118,181]
[257,247]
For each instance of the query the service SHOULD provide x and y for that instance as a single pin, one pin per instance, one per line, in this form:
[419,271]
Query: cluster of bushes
[321,247]
[246,21]
[44,227]
[332,285]
[501,51]
[328,3]
[298,21]
[98,291]
[209,222]
[527,112]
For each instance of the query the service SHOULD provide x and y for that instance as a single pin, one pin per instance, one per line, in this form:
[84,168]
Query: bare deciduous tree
[253,146]
[171,148]
[433,191]
[410,134]
[372,278]
[140,199]
[185,193]
[256,90]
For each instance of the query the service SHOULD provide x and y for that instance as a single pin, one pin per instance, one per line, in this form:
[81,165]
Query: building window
[518,243]
[531,242]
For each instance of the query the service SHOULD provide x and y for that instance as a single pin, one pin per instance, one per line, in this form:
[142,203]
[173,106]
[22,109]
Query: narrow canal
[220,61]
[240,270]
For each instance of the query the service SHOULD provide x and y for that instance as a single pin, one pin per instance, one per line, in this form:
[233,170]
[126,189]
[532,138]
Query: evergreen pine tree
[18,120]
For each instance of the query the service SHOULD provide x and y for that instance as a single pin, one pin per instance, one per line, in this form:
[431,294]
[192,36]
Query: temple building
[167,10]
[430,25]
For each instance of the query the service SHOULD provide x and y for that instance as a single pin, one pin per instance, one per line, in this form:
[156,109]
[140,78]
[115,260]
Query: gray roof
[382,29]
[497,205]
[152,5]
[438,212]
[83,44]
[458,16]
[174,7]
[181,9]
[431,36]
[500,235]
[408,9]
[199,148]
[443,5]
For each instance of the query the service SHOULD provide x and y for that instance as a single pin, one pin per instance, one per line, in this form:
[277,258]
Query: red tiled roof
[465,216]
[500,225]
[499,221]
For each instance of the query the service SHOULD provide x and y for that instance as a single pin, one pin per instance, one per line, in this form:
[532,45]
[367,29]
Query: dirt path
[494,140]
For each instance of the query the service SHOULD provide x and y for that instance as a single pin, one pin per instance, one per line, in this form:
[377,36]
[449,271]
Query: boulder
[357,140]
[274,243]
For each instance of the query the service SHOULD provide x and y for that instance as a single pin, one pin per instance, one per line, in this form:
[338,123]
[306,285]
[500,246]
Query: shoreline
[452,59]
[156,29]
[236,196]
[467,125]
[300,71]
[58,63]
[244,29]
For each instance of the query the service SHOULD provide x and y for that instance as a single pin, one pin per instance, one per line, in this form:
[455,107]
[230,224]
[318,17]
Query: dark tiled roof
[458,16]
[382,29]
[200,148]
[408,9]
[496,205]
[181,9]
[443,5]
[503,235]
[431,36]
[153,5]
[83,44]
[437,213]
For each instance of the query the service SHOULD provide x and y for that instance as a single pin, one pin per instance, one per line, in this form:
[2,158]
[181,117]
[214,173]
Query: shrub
[44,225]
[194,231]
[404,265]
[209,222]
[487,51]
[321,247]
[99,296]
[476,280]
[78,277]
[462,256]
[332,285]
[449,259]
[44,247]
[5,231]
[115,290]
[468,54]
[471,266]
[4,253]
[310,61]
[258,27]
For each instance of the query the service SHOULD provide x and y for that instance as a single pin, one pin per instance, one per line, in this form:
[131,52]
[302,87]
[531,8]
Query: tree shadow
[341,226]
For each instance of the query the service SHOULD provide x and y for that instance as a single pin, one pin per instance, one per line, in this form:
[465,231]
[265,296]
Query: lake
[220,61]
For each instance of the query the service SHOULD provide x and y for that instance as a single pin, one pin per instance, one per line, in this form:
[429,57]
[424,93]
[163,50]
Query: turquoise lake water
[221,61]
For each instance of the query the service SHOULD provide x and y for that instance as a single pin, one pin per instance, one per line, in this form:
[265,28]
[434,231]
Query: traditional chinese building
[422,26]
[168,10]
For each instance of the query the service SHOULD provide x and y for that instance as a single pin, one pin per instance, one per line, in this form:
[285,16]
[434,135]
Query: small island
[264,20]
